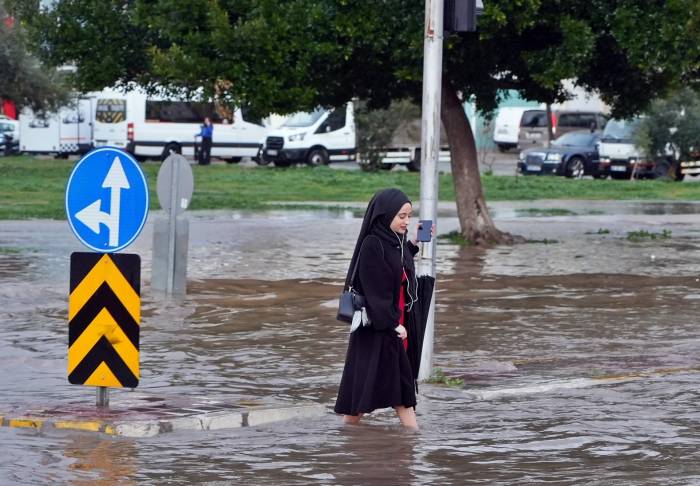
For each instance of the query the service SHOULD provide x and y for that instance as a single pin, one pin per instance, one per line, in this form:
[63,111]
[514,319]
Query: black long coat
[377,372]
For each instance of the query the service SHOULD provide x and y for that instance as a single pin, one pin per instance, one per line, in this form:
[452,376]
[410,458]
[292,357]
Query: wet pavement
[577,350]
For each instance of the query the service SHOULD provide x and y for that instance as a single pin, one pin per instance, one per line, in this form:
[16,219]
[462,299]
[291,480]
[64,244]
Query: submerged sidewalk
[141,415]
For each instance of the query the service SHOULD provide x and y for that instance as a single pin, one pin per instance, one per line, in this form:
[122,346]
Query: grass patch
[439,378]
[454,238]
[648,235]
[35,188]
[546,241]
[601,231]
[544,212]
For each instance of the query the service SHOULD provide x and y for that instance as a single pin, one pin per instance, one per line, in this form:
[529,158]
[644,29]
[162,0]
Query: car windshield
[304,119]
[620,130]
[574,139]
[534,119]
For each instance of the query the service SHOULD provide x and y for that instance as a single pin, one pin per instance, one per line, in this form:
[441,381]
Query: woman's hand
[415,241]
[401,331]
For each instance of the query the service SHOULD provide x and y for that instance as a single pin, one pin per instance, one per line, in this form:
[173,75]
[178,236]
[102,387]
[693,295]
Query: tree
[671,126]
[286,55]
[23,79]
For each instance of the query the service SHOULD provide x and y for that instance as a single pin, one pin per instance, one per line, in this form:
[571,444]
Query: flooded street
[578,353]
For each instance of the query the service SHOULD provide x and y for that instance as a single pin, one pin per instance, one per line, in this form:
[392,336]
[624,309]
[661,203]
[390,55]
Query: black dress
[377,372]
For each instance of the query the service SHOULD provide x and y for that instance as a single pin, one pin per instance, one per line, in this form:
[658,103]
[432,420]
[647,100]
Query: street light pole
[430,154]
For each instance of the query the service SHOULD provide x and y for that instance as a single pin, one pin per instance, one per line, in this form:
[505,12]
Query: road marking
[91,215]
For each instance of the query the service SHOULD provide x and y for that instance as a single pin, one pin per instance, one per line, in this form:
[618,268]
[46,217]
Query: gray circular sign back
[175,183]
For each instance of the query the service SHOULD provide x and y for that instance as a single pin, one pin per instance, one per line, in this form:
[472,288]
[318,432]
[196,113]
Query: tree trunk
[474,219]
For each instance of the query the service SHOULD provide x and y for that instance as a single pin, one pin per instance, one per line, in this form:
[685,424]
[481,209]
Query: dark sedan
[574,154]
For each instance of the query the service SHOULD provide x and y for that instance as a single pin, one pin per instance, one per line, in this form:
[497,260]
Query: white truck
[623,159]
[323,136]
[69,131]
[152,126]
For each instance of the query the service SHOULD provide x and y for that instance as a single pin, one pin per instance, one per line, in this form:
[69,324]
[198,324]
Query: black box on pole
[460,15]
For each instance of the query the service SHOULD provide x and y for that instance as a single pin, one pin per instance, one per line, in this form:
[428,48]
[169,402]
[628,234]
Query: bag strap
[354,270]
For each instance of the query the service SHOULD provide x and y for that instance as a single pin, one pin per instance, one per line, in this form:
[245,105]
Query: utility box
[460,15]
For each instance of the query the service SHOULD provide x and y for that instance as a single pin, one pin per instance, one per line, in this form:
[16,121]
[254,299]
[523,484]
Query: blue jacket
[207,131]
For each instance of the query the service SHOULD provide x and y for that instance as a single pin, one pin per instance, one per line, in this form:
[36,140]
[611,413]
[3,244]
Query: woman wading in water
[377,371]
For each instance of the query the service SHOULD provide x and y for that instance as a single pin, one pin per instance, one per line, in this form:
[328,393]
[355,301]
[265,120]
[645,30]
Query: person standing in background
[206,133]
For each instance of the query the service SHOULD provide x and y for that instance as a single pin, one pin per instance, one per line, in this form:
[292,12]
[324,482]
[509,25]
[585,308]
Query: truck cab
[617,150]
[314,138]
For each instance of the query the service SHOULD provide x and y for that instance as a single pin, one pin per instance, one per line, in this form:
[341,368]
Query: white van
[67,132]
[153,126]
[323,136]
[507,127]
[315,138]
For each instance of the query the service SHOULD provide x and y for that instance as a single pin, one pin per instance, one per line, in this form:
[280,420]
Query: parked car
[507,127]
[533,125]
[9,136]
[574,154]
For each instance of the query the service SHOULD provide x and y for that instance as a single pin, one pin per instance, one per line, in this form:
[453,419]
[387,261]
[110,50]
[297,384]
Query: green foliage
[648,235]
[22,78]
[439,378]
[298,54]
[672,125]
[455,238]
[376,129]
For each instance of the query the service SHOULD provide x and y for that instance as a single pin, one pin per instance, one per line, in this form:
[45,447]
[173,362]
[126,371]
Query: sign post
[171,235]
[107,205]
[430,153]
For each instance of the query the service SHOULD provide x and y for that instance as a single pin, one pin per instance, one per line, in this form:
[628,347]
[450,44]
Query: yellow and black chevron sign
[104,314]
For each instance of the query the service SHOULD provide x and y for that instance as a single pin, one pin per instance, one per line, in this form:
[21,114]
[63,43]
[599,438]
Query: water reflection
[96,460]
[530,329]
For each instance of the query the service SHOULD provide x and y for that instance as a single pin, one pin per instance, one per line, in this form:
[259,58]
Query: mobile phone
[425,227]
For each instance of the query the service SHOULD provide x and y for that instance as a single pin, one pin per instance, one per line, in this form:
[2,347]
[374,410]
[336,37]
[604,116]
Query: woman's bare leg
[352,419]
[407,416]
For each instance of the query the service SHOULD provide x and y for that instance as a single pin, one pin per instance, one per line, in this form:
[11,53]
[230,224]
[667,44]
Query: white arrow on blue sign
[107,200]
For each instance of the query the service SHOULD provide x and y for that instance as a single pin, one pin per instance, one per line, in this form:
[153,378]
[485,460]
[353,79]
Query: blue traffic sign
[107,200]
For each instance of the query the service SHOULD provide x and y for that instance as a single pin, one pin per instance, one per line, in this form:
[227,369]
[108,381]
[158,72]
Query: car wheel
[172,147]
[663,171]
[317,156]
[414,164]
[575,168]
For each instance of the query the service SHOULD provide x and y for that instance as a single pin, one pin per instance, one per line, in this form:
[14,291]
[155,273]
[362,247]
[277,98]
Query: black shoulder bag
[351,300]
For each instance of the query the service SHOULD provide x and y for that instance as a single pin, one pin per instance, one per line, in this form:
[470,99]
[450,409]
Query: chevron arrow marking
[104,315]
[105,271]
[103,325]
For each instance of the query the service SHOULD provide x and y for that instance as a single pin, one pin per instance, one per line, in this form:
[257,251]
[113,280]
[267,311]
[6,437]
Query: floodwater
[578,353]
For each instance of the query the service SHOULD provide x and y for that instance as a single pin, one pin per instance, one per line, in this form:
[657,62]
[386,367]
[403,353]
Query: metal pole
[172,221]
[102,396]
[430,155]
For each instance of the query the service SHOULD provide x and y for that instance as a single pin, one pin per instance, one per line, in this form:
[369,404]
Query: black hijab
[381,210]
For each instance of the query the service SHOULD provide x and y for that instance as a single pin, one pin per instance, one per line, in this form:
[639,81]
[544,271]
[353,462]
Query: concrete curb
[179,420]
